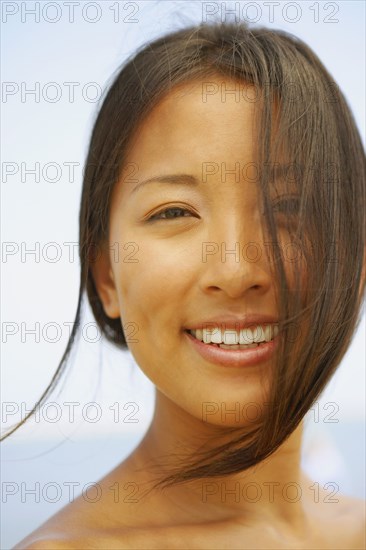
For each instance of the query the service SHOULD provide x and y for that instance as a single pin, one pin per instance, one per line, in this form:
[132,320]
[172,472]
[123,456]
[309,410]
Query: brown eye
[286,205]
[170,214]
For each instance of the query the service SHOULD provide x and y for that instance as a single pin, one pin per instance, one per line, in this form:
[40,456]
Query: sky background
[52,127]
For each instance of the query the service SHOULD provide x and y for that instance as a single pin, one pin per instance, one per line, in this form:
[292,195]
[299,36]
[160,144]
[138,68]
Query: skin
[169,288]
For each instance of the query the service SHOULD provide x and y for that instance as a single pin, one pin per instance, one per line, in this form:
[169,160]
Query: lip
[237,358]
[232,322]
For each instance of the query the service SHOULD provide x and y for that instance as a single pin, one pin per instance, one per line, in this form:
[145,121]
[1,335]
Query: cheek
[153,290]
[293,256]
[148,296]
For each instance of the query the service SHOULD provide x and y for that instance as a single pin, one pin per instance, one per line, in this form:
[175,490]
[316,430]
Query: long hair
[305,126]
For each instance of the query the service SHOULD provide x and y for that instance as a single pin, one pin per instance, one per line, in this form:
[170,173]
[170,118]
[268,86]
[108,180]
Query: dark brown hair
[304,120]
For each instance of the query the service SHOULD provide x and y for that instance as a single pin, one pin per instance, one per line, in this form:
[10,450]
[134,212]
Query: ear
[104,281]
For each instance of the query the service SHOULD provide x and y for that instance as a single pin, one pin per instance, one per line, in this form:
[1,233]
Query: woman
[228,168]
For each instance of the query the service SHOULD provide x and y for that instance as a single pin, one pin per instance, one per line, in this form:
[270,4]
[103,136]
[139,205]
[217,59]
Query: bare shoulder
[85,524]
[68,528]
[355,508]
[346,521]
[67,539]
[151,538]
[41,544]
[77,543]
[352,507]
[123,539]
[78,527]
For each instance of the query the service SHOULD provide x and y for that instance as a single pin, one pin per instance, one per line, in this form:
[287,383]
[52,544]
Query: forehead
[208,116]
[208,122]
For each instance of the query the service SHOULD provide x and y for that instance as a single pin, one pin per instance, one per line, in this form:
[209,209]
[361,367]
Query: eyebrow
[279,171]
[177,179]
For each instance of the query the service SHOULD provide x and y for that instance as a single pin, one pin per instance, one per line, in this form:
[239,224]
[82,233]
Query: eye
[170,214]
[286,204]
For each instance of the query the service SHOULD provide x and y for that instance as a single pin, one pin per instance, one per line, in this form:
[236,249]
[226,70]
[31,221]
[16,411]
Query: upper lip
[233,322]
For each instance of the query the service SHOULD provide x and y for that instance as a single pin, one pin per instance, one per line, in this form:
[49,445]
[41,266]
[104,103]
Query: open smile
[233,355]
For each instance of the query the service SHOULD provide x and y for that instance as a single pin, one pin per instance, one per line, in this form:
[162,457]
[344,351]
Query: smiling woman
[231,158]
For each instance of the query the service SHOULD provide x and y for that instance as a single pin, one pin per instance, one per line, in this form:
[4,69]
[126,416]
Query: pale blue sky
[46,132]
[58,132]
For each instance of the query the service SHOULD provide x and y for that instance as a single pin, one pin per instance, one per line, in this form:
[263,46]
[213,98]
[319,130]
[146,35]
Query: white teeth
[258,334]
[215,335]
[206,336]
[246,336]
[198,334]
[230,338]
[268,333]
[244,346]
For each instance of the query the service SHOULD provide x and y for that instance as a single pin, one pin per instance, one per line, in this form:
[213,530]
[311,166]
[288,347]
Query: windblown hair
[303,123]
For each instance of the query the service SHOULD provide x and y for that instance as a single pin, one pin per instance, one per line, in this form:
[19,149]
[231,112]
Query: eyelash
[291,204]
[155,217]
[292,201]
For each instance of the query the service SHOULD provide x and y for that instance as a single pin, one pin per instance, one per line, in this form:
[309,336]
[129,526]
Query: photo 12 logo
[70,12]
[272,12]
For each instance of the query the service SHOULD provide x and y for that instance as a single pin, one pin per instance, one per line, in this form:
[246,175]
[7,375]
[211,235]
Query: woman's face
[178,269]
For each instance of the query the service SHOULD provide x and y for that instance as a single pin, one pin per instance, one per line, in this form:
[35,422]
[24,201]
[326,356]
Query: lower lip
[235,357]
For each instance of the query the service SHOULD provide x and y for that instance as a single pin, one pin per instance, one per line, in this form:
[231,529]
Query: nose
[235,266]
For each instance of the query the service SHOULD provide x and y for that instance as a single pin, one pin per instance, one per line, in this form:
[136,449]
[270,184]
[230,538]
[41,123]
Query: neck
[274,489]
